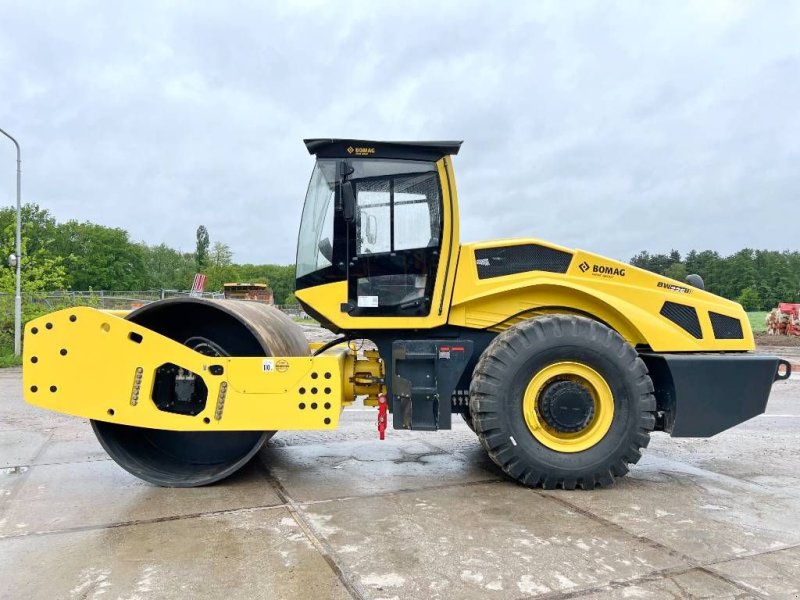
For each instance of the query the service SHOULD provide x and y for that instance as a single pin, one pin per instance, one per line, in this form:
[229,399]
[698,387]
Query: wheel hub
[566,406]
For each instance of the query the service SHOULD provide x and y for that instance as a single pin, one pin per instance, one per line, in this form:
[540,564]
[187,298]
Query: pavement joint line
[134,522]
[243,509]
[619,584]
[704,567]
[710,569]
[692,471]
[653,543]
[709,473]
[55,464]
[348,579]
[418,490]
[23,476]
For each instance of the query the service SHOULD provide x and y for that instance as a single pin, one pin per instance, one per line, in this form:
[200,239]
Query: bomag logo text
[604,270]
[361,151]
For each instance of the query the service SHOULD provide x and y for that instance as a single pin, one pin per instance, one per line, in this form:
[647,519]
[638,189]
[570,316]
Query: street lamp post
[18,296]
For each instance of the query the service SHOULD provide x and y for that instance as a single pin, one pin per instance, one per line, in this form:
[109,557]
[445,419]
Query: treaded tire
[503,373]
[468,420]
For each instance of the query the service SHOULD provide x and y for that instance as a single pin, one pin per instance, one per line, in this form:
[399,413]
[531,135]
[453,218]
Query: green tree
[201,249]
[657,263]
[221,255]
[39,270]
[641,260]
[708,265]
[99,257]
[676,271]
[281,279]
[220,269]
[167,268]
[38,225]
[749,299]
[289,300]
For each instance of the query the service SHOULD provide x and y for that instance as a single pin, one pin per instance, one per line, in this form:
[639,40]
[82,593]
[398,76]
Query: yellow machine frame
[248,394]
[626,298]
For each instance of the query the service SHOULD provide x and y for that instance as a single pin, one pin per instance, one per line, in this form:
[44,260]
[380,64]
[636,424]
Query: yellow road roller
[562,361]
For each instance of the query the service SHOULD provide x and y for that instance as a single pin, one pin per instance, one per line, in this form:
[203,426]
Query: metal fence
[122,299]
[107,299]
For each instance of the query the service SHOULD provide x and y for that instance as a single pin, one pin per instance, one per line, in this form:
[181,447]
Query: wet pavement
[420,515]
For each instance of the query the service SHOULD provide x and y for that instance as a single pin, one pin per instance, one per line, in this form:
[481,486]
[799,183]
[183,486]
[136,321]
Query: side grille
[509,260]
[726,328]
[684,317]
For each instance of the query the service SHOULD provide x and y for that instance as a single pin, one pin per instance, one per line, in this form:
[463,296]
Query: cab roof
[344,148]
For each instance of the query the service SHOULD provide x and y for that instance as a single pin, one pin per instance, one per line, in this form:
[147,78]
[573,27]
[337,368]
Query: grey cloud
[613,128]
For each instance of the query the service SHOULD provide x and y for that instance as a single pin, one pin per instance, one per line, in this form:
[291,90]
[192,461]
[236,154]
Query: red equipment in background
[784,320]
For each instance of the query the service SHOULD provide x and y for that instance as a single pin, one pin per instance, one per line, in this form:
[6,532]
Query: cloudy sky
[613,127]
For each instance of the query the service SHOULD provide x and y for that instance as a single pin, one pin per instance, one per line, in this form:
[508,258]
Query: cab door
[378,244]
[394,239]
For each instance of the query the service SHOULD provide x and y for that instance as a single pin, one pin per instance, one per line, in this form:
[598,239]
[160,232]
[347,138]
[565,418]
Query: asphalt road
[420,515]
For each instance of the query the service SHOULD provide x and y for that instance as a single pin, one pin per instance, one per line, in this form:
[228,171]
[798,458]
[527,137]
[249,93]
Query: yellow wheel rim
[601,395]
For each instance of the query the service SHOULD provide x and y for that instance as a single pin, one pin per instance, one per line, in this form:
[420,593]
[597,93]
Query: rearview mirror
[346,197]
[348,201]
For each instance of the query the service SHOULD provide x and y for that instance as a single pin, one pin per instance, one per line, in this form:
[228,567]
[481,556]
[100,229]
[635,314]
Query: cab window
[397,230]
[401,213]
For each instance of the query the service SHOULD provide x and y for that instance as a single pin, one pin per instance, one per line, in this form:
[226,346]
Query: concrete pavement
[421,515]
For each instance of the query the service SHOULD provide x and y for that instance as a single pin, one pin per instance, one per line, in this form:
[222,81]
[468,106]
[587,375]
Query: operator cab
[374,218]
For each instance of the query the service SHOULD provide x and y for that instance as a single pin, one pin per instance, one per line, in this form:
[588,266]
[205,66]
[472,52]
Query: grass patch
[758,321]
[9,360]
[305,321]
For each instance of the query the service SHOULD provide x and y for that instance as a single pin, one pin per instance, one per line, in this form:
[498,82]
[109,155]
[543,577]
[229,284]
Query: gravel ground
[779,341]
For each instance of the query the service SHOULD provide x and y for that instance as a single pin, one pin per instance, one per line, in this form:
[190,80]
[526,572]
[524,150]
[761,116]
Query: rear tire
[536,376]
[468,420]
